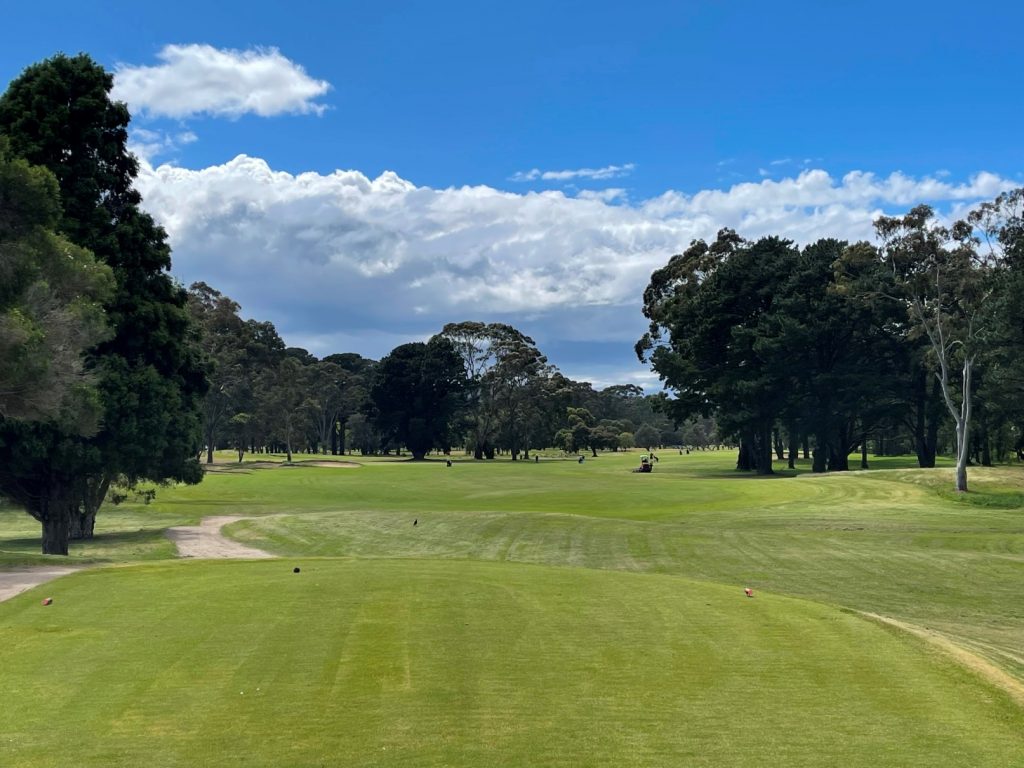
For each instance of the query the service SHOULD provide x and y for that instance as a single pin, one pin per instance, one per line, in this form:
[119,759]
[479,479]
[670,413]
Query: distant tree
[284,397]
[362,435]
[328,384]
[224,341]
[500,365]
[417,390]
[358,372]
[646,437]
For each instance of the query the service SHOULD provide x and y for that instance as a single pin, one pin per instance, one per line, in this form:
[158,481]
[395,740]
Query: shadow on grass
[986,499]
[103,547]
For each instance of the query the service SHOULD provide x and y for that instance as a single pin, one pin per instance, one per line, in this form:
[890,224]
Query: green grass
[542,614]
[465,663]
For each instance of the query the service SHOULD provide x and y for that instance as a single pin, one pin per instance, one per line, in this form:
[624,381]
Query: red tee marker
[47,600]
[748,591]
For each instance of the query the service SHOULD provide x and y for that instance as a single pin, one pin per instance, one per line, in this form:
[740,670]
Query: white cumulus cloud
[200,79]
[340,257]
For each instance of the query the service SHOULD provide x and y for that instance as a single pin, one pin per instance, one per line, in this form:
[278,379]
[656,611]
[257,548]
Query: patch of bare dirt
[17,580]
[962,656]
[205,541]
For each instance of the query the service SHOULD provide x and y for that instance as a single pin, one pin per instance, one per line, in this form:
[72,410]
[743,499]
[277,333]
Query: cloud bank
[202,80]
[342,262]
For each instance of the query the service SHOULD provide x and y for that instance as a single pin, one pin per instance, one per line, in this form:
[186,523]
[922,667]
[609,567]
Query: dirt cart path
[17,580]
[207,542]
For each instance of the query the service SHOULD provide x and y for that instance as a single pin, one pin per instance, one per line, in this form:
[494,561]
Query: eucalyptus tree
[328,389]
[947,288]
[358,373]
[224,343]
[499,361]
[283,396]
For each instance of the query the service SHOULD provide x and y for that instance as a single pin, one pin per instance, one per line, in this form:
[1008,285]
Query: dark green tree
[710,338]
[58,114]
[646,436]
[417,390]
[50,305]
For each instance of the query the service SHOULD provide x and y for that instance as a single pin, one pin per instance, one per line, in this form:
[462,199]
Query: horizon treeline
[479,388]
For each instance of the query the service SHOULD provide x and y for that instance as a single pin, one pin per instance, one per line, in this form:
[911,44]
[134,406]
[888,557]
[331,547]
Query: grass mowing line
[983,668]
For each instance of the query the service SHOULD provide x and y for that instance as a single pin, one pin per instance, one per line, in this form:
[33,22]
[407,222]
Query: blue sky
[543,157]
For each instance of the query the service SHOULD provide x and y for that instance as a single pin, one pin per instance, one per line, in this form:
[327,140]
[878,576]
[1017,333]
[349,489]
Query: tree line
[481,388]
[914,341]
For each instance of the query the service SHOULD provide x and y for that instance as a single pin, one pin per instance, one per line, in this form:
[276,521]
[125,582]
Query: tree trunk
[745,461]
[793,443]
[54,515]
[209,453]
[863,451]
[821,451]
[763,451]
[780,449]
[82,522]
[986,443]
[839,460]
[55,533]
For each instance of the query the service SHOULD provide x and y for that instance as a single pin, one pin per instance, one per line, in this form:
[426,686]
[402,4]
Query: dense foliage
[829,346]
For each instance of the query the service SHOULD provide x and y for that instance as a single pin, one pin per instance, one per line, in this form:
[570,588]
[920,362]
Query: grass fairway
[432,663]
[538,614]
